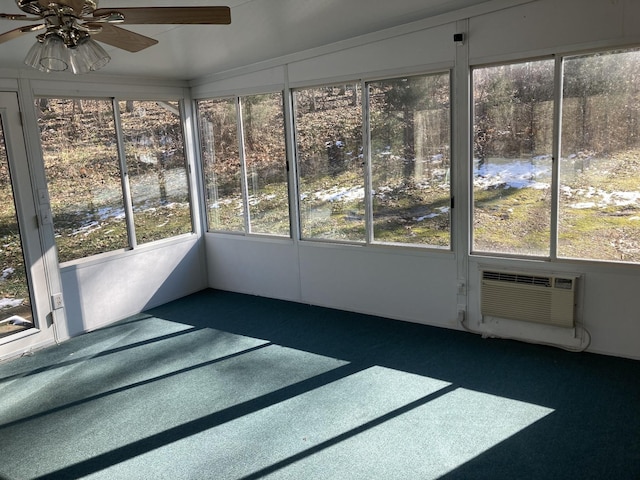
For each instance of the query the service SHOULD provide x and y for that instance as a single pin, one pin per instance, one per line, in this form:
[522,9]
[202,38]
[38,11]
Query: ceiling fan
[70,29]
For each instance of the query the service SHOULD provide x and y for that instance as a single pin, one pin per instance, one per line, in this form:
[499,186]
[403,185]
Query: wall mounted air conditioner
[547,299]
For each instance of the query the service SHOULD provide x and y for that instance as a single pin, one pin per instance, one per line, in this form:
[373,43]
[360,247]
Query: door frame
[36,230]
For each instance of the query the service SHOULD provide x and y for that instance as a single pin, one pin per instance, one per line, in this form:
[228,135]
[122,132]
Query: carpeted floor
[226,386]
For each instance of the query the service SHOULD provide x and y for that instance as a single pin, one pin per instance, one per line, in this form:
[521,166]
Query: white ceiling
[259,30]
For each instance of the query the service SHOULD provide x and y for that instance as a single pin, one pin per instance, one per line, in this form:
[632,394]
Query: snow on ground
[534,173]
[441,211]
[597,198]
[336,194]
[10,302]
[6,273]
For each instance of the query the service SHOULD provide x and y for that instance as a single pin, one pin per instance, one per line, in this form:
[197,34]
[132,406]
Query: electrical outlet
[56,301]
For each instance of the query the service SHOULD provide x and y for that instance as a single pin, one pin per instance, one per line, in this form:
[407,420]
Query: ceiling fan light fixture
[54,57]
[87,56]
[52,54]
[33,56]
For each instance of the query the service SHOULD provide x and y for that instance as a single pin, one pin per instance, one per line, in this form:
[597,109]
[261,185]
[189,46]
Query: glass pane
[15,306]
[156,168]
[266,164]
[600,163]
[512,148]
[410,136]
[330,162]
[218,122]
[83,175]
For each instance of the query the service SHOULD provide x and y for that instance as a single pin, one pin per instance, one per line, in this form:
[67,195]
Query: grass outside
[599,215]
[108,233]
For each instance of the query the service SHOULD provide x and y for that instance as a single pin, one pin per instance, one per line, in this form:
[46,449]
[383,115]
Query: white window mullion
[124,177]
[292,170]
[366,147]
[556,153]
[243,167]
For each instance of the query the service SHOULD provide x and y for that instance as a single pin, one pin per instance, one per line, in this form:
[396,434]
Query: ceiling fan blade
[172,15]
[121,38]
[13,16]
[12,34]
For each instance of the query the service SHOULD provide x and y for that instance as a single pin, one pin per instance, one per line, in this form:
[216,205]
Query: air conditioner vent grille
[517,278]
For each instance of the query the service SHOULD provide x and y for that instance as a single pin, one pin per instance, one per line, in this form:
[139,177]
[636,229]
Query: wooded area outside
[409,137]
[245,164]
[90,200]
[599,178]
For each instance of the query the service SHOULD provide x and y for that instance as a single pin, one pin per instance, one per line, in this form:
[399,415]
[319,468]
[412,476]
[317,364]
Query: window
[80,151]
[221,163]
[245,166]
[330,162]
[265,163]
[599,197]
[512,151]
[156,168]
[598,173]
[409,134]
[84,175]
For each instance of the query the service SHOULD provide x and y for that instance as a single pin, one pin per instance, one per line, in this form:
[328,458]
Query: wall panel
[258,266]
[99,292]
[547,26]
[259,82]
[414,287]
[411,51]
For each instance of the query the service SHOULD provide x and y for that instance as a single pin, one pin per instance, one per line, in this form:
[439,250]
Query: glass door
[22,275]
[15,297]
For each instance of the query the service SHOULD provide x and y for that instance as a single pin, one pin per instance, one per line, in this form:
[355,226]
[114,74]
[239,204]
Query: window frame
[242,158]
[369,240]
[558,109]
[554,152]
[132,244]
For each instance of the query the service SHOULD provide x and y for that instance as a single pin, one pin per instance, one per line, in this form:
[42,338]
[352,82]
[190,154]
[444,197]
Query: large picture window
[600,163]
[330,158]
[409,135]
[393,185]
[597,205]
[156,168]
[245,166]
[512,150]
[85,174]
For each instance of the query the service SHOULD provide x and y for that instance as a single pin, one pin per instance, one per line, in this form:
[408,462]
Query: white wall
[414,284]
[99,291]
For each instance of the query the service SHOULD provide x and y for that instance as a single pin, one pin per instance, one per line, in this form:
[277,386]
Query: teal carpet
[226,386]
